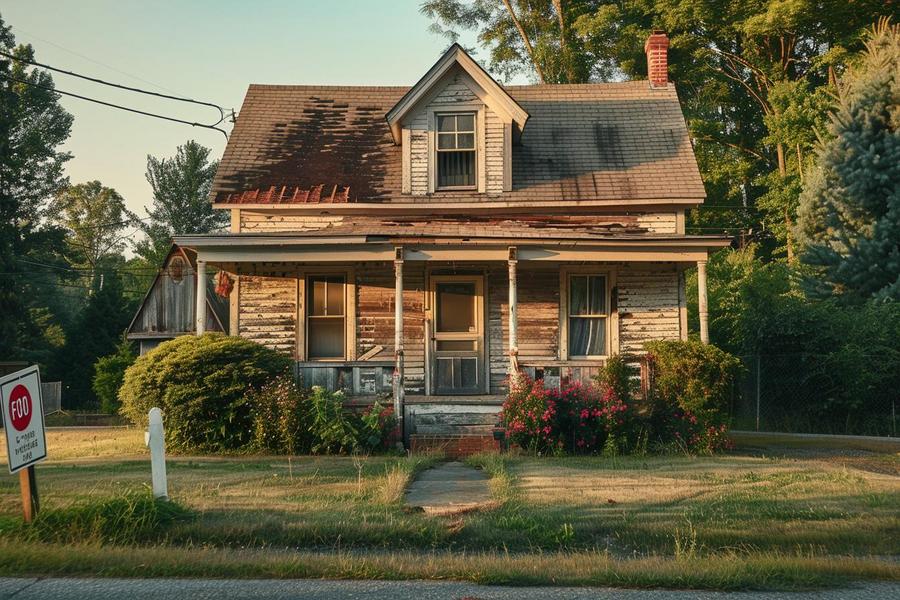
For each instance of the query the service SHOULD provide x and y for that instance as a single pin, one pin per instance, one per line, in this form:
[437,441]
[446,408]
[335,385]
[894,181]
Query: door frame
[483,370]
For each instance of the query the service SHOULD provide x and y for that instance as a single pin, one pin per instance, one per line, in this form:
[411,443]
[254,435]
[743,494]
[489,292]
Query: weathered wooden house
[423,241]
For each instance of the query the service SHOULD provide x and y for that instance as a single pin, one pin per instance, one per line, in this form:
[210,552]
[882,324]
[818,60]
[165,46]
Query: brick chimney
[657,49]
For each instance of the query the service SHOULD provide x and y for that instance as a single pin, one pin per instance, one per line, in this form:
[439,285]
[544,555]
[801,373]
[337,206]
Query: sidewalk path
[303,589]
[449,488]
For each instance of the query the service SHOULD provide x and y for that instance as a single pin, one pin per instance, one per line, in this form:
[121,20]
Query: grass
[725,522]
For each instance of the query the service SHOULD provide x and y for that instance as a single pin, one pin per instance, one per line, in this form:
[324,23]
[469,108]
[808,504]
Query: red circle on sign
[20,407]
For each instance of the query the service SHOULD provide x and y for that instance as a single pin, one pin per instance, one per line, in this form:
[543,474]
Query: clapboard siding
[648,305]
[659,222]
[260,222]
[647,301]
[268,311]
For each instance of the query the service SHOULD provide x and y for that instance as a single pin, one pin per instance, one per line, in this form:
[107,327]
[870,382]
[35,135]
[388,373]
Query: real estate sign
[23,418]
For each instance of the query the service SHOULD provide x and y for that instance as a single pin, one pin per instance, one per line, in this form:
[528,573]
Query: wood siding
[647,308]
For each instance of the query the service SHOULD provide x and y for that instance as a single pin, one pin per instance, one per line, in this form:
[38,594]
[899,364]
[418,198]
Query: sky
[208,50]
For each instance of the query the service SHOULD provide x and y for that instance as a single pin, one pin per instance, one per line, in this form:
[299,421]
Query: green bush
[202,384]
[109,371]
[291,420]
[131,518]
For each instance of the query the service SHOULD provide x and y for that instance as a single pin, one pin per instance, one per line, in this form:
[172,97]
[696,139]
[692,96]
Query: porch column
[513,313]
[398,335]
[200,313]
[701,301]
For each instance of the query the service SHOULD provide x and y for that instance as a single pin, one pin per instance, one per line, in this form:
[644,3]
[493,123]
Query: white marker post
[155,439]
[23,422]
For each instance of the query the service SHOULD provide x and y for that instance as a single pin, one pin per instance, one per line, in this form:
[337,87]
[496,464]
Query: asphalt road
[218,589]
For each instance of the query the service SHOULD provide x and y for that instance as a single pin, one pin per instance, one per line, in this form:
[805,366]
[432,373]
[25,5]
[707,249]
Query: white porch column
[398,335]
[513,313]
[200,313]
[701,301]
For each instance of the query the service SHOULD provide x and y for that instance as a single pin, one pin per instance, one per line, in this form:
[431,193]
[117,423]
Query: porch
[438,324]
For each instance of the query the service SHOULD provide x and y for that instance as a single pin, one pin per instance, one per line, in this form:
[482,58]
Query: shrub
[202,384]
[109,371]
[578,418]
[291,420]
[690,388]
[279,409]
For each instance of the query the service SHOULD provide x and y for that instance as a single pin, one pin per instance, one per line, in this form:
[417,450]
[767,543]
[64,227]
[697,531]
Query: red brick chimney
[657,49]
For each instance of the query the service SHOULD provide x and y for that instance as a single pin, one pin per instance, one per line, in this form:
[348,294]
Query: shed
[167,310]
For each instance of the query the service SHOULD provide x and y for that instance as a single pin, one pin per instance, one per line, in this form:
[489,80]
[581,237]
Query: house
[425,241]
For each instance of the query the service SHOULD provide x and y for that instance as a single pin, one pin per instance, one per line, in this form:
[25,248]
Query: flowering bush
[578,418]
[380,429]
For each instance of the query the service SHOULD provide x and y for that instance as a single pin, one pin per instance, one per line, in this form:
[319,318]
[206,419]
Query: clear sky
[207,50]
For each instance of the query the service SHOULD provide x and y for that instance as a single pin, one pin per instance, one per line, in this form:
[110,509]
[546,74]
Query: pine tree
[849,215]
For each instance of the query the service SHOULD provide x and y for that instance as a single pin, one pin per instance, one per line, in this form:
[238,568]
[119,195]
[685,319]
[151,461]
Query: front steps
[457,426]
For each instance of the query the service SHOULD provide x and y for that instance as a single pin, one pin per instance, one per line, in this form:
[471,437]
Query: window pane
[446,141]
[578,295]
[465,123]
[587,337]
[316,302]
[335,296]
[456,307]
[465,141]
[456,169]
[597,294]
[468,372]
[456,345]
[447,123]
[326,338]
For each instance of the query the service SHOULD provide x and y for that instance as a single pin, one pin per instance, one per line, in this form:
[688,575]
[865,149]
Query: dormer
[456,128]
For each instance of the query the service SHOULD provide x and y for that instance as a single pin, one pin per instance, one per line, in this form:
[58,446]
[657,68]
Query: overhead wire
[117,85]
[112,105]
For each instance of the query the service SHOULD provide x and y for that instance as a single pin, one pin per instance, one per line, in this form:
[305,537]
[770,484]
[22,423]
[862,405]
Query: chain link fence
[816,393]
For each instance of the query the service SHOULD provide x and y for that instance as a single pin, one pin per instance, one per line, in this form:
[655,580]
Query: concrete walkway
[297,589]
[449,488]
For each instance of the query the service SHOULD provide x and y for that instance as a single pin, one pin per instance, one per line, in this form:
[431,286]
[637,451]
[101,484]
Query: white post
[155,439]
[200,316]
[701,301]
[398,335]
[513,313]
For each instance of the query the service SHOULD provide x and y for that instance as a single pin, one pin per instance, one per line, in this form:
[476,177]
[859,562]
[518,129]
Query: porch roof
[376,241]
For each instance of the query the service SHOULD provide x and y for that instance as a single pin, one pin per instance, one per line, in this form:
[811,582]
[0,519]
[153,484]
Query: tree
[109,371]
[32,127]
[181,204]
[94,217]
[850,207]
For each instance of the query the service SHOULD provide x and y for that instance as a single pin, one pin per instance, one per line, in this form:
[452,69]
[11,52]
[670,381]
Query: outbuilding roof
[606,141]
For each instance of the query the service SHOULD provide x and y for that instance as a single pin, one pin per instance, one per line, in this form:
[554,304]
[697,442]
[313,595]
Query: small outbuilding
[169,308]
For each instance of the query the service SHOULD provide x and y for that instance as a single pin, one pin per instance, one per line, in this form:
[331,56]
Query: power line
[111,105]
[96,62]
[117,85]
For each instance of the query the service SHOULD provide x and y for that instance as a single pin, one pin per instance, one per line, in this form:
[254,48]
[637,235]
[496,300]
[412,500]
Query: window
[456,151]
[588,315]
[325,316]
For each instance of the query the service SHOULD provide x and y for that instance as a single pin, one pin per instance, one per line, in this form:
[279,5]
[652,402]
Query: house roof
[454,56]
[608,141]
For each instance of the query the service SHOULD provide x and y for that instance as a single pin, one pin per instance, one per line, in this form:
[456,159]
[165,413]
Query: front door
[457,334]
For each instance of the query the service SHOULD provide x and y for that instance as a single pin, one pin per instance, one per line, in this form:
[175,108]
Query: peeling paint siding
[659,222]
[268,311]
[375,317]
[257,222]
[455,92]
[648,305]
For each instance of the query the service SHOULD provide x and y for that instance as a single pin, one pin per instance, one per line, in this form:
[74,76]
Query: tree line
[68,284]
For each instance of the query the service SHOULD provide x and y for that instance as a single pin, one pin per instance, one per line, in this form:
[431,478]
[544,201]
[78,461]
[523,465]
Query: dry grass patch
[90,443]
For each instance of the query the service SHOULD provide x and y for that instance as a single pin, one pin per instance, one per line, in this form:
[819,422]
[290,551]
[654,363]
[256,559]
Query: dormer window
[456,161]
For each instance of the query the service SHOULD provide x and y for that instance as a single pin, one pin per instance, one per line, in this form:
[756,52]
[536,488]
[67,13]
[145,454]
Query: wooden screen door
[458,334]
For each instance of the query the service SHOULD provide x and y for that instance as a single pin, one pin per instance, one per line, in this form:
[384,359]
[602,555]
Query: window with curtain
[588,315]
[456,151]
[325,316]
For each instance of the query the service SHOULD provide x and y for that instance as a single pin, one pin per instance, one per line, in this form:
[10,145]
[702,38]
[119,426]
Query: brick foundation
[454,446]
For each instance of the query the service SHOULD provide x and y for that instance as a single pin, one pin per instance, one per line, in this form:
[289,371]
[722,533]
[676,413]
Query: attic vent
[176,269]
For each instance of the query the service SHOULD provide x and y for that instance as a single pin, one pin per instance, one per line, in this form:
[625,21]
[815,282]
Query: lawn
[734,521]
